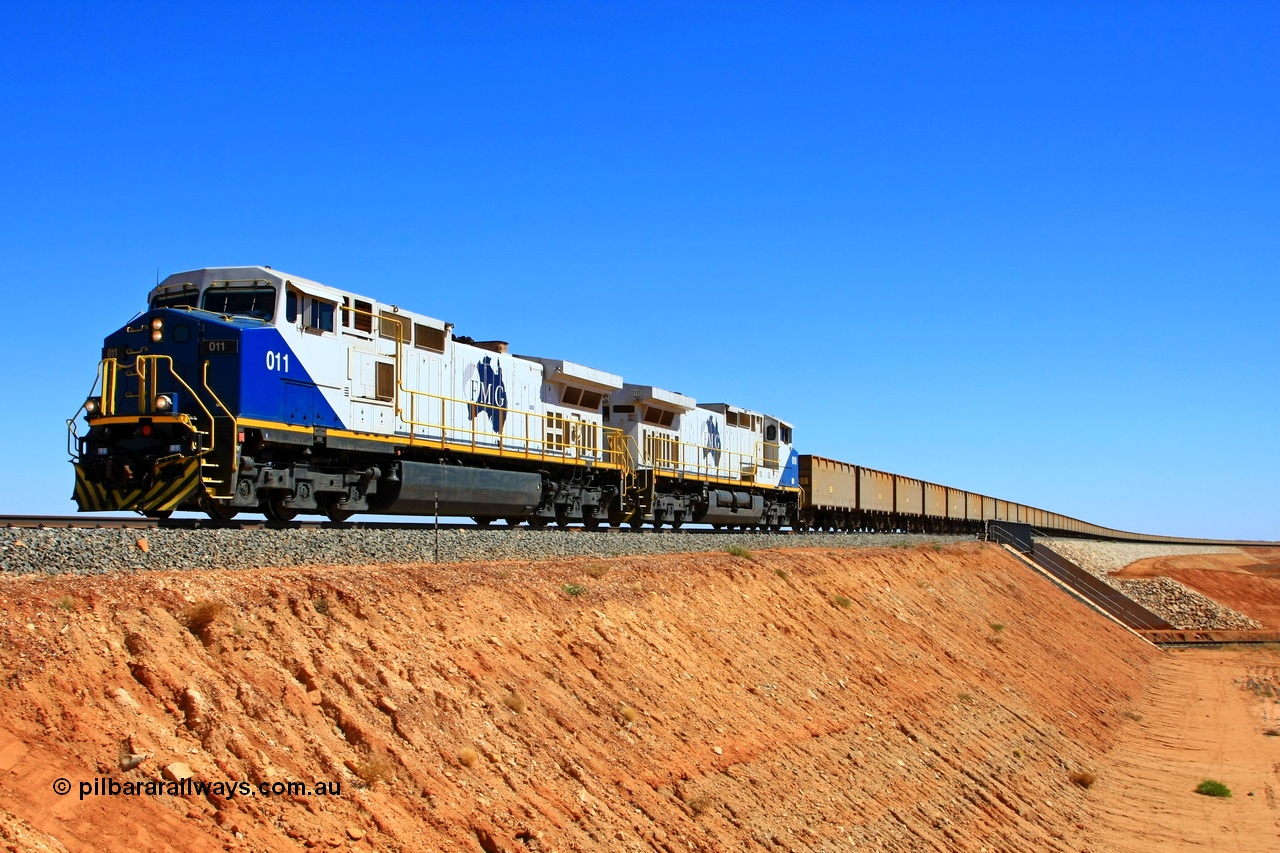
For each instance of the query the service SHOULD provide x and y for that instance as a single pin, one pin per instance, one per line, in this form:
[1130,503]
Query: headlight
[164,403]
[157,324]
[157,336]
[92,405]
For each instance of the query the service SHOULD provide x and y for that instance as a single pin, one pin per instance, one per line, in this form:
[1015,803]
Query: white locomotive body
[246,388]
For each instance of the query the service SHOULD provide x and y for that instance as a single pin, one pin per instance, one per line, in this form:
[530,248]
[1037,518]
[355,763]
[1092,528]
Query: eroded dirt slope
[896,699]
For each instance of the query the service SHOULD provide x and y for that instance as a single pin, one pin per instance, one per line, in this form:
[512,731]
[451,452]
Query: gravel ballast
[104,550]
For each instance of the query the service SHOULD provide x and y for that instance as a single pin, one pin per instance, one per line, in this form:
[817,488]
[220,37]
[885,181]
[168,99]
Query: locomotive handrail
[204,379]
[528,445]
[725,469]
[73,438]
[108,385]
[106,402]
[191,391]
[213,431]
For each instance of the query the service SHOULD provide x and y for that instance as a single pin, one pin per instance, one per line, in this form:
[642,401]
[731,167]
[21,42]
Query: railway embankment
[1179,604]
[925,697]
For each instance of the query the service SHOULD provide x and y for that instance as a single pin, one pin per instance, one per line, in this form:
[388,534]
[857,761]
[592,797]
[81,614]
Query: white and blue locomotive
[248,389]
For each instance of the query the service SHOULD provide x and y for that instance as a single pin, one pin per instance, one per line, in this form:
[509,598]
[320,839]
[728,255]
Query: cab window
[250,299]
[188,297]
[320,317]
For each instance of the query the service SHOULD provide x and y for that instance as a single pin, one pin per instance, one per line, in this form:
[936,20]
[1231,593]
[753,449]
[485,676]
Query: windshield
[186,298]
[255,300]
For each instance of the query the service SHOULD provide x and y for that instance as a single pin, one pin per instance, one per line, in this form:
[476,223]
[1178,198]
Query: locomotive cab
[161,435]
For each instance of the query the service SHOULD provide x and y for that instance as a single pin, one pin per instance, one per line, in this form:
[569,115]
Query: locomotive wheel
[483,520]
[512,522]
[589,518]
[274,509]
[335,514]
[538,521]
[158,514]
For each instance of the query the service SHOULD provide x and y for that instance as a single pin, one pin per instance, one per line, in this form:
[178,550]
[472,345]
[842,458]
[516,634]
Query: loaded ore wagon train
[245,389]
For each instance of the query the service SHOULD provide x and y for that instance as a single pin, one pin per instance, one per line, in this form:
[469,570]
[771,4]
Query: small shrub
[1213,788]
[965,697]
[574,589]
[373,770]
[1083,778]
[468,757]
[503,575]
[937,546]
[515,701]
[1017,753]
[739,551]
[1133,715]
[699,804]
[782,573]
[997,627]
[628,714]
[321,605]
[841,601]
[66,603]
[201,615]
[596,570]
[1261,688]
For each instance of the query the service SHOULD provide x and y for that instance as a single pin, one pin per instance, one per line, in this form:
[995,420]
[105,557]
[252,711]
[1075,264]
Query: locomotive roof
[209,275]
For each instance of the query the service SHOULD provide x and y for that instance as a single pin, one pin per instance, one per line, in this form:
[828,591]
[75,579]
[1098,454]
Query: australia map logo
[711,440]
[488,393]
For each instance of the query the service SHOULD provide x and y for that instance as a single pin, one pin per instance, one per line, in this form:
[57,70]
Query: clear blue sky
[1028,249]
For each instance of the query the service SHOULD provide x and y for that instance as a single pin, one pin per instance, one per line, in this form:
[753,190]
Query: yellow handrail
[204,378]
[156,359]
[594,441]
[108,378]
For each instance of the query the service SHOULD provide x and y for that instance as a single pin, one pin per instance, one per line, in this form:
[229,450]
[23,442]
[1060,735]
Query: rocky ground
[1179,604]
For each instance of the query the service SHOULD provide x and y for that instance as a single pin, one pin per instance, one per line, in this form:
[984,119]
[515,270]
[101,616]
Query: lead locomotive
[248,389]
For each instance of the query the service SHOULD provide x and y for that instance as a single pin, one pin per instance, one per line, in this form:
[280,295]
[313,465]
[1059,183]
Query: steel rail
[75,522]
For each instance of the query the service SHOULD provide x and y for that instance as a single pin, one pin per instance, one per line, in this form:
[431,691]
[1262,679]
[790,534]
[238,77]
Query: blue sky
[1028,249]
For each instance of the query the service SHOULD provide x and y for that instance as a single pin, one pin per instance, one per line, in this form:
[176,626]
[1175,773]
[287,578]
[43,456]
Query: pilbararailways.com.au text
[228,789]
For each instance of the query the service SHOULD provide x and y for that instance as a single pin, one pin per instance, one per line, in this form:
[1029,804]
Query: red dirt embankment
[1247,581]
[894,699]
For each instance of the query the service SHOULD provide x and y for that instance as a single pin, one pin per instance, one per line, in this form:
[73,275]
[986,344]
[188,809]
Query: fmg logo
[711,440]
[488,393]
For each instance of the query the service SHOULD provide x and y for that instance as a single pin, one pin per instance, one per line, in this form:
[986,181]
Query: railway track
[76,522]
